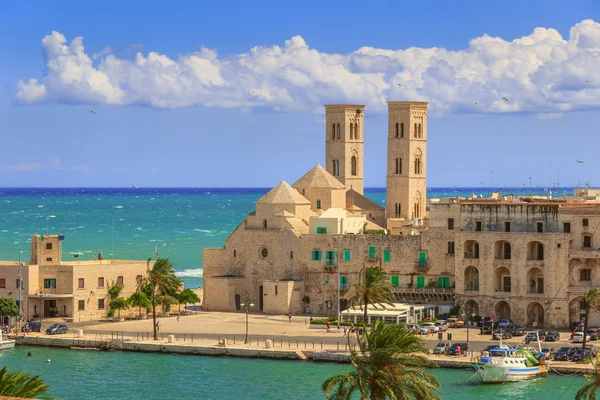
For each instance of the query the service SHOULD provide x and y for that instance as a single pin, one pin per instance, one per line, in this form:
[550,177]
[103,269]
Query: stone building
[528,259]
[72,290]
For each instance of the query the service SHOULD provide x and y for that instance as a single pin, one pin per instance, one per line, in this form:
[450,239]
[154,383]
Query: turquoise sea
[181,222]
[99,375]
[132,223]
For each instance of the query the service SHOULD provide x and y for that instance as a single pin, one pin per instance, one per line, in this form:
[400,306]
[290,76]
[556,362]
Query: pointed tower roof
[283,194]
[285,213]
[318,177]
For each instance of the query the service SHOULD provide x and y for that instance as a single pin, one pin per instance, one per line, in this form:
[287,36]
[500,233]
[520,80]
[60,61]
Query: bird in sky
[581,162]
[587,81]
[505,99]
[479,102]
[92,111]
[401,84]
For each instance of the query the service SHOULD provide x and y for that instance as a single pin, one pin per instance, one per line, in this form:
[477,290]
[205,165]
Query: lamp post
[467,314]
[247,307]
[41,308]
[20,286]
[337,239]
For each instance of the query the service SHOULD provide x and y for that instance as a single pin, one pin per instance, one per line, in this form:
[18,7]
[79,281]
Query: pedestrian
[178,318]
[290,317]
[157,326]
[328,326]
[458,350]
[345,330]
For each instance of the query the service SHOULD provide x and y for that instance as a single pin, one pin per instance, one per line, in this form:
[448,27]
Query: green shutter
[372,250]
[318,230]
[324,230]
[326,282]
[346,255]
[386,256]
[343,283]
[446,282]
[422,257]
[395,280]
[440,282]
[420,281]
[314,255]
[318,254]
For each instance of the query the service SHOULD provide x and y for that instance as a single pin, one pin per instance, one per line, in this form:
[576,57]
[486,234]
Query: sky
[231,94]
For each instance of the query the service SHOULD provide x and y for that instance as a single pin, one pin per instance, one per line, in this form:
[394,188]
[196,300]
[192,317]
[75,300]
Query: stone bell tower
[406,184]
[344,144]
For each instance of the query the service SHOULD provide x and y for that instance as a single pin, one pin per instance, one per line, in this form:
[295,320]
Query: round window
[264,252]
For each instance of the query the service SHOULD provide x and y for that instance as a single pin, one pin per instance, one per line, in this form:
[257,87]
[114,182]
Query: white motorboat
[5,342]
[507,364]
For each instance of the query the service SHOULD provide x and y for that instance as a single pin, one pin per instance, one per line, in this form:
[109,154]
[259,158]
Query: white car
[578,337]
[443,325]
[431,326]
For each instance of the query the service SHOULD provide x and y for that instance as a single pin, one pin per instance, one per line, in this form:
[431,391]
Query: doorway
[50,309]
[260,298]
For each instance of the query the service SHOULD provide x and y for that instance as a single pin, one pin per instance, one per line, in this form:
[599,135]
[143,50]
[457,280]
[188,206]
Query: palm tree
[140,300]
[19,384]
[390,363]
[161,278]
[373,288]
[590,300]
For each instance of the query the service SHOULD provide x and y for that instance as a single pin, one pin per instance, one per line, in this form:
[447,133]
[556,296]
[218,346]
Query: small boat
[134,186]
[5,342]
[506,364]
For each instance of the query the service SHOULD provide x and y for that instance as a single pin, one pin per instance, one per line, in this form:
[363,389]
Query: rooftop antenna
[492,181]
[558,179]
[112,228]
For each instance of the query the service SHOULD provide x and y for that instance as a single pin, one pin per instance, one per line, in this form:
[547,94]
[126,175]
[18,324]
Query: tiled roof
[283,194]
[318,177]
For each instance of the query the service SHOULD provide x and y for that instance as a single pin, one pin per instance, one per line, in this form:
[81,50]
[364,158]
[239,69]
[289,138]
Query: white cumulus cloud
[541,73]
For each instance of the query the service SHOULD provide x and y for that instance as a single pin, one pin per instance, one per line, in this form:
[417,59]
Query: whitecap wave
[190,273]
[118,206]
[203,230]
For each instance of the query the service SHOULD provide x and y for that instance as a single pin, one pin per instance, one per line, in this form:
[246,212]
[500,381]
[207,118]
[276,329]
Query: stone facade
[75,290]
[528,259]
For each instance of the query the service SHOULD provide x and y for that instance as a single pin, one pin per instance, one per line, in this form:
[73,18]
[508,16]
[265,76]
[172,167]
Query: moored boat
[5,342]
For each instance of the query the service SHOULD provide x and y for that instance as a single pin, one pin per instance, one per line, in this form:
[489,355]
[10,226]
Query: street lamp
[41,294]
[466,314]
[337,239]
[247,308]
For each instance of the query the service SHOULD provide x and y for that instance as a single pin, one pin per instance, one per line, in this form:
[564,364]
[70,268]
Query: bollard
[313,344]
[321,345]
[297,343]
[289,343]
[305,344]
[338,346]
[192,338]
[234,340]
[111,336]
[122,335]
[184,337]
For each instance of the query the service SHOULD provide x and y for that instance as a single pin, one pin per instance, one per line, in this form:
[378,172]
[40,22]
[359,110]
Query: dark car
[486,329]
[518,330]
[532,337]
[552,336]
[453,350]
[32,327]
[501,334]
[564,353]
[547,352]
[579,354]
[594,334]
[57,328]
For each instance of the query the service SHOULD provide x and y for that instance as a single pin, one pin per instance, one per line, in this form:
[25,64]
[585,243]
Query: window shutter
[395,280]
[346,255]
[386,256]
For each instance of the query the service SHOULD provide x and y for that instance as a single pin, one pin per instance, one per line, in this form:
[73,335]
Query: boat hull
[490,373]
[7,344]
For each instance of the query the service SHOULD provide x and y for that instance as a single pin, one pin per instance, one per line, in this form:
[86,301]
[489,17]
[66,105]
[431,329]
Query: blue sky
[182,100]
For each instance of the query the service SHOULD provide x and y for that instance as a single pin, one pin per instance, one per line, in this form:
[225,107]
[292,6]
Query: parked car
[547,352]
[506,323]
[443,325]
[32,327]
[578,337]
[594,333]
[422,331]
[441,348]
[57,328]
[501,334]
[519,330]
[453,350]
[576,330]
[579,354]
[431,326]
[454,322]
[486,329]
[564,353]
[552,336]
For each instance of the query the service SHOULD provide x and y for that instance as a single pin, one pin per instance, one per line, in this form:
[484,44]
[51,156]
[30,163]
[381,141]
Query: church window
[234,253]
[398,210]
[353,166]
[420,133]
[416,131]
[265,223]
[417,165]
[291,255]
[264,252]
[398,166]
[351,131]
[417,210]
[333,131]
[356,131]
[402,129]
[397,129]
[318,204]
[338,131]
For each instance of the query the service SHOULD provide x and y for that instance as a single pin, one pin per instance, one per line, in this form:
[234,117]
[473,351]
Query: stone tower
[344,144]
[406,185]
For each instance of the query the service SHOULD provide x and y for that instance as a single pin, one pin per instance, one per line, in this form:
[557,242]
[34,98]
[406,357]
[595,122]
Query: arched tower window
[291,255]
[397,129]
[353,166]
[234,253]
[398,210]
[356,131]
[333,131]
[265,223]
[418,165]
[398,165]
[351,131]
[420,132]
[416,131]
[336,167]
[338,131]
[402,129]
[318,204]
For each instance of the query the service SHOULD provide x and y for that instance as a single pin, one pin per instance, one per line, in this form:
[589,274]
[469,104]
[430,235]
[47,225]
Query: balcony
[344,286]
[329,269]
[421,265]
[372,257]
[329,262]
[423,290]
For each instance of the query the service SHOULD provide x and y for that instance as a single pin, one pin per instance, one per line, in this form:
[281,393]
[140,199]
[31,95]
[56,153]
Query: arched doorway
[503,282]
[471,307]
[535,314]
[502,310]
[238,302]
[535,281]
[471,279]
